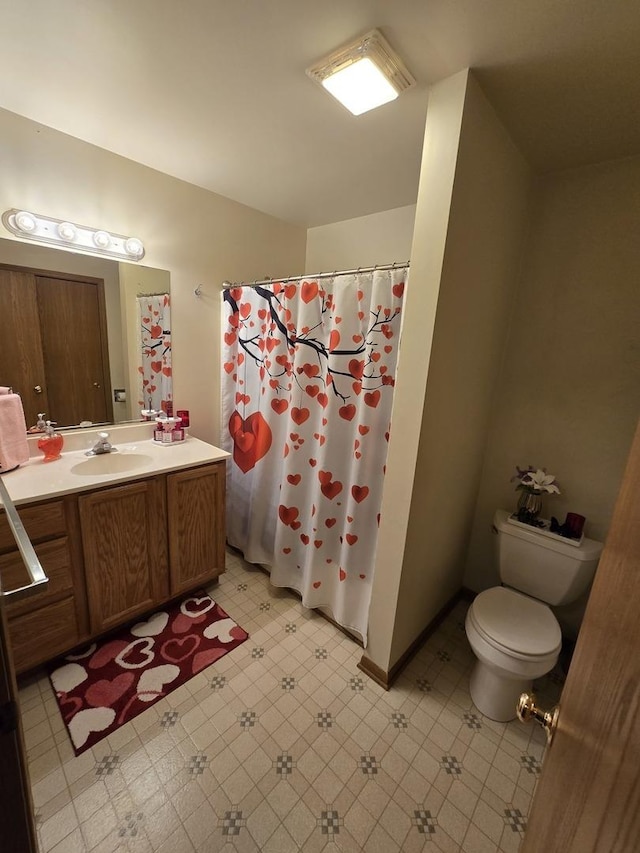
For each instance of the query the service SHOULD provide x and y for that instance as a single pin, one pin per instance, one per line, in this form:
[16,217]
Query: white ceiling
[214,91]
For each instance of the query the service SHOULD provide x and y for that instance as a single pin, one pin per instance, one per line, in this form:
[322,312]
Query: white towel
[14,448]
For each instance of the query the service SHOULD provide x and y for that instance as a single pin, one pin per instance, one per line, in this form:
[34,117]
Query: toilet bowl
[516,639]
[511,628]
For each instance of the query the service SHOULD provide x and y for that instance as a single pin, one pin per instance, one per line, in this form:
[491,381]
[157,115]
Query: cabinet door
[195,499]
[125,553]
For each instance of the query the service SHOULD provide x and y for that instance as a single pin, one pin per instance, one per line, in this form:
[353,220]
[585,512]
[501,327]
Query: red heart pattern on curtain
[251,439]
[154,352]
[308,372]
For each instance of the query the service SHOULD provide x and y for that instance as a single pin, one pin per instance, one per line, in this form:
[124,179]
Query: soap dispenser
[51,443]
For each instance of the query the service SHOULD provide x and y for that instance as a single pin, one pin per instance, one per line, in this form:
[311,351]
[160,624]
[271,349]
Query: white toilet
[511,628]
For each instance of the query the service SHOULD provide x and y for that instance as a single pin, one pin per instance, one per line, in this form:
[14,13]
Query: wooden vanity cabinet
[112,554]
[196,524]
[53,620]
[125,551]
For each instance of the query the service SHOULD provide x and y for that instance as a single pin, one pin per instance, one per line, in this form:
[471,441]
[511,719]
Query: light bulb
[67,231]
[134,247]
[25,221]
[102,239]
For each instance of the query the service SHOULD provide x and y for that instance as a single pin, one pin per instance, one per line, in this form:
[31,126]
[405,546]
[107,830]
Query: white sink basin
[110,463]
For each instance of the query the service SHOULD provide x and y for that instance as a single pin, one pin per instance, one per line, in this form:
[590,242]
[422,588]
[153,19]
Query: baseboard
[386,678]
[380,676]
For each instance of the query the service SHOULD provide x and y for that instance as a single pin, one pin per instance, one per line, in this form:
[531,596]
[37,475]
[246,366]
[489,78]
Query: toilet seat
[515,624]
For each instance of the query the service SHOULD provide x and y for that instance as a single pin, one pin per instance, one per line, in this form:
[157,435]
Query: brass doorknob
[527,710]
[37,389]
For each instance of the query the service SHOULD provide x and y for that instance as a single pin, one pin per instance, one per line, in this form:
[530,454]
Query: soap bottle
[51,443]
[177,433]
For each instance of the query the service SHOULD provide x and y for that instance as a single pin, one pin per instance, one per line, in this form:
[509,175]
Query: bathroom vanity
[117,535]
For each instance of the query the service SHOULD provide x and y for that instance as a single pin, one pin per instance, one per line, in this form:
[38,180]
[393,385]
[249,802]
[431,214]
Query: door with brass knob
[527,711]
[17,825]
[588,796]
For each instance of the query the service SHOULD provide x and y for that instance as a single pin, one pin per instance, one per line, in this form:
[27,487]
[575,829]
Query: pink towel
[14,449]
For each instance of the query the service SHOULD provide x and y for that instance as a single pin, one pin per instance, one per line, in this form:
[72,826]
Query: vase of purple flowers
[533,483]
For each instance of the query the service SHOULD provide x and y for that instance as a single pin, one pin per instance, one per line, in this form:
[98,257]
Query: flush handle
[527,710]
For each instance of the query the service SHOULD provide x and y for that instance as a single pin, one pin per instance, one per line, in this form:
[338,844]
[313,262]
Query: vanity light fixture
[67,231]
[363,74]
[45,229]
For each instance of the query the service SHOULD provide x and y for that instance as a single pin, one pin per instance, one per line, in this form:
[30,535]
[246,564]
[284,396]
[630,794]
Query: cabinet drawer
[56,562]
[41,522]
[42,634]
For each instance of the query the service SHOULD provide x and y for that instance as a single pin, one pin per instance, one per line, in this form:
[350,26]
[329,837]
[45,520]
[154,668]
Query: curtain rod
[265,281]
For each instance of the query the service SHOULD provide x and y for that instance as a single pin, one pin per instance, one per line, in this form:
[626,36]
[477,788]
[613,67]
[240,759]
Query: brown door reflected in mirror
[53,346]
[21,363]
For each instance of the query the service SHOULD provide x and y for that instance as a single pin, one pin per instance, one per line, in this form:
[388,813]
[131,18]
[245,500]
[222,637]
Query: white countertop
[37,480]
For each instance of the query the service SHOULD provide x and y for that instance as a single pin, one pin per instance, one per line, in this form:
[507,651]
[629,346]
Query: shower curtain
[154,354]
[308,371]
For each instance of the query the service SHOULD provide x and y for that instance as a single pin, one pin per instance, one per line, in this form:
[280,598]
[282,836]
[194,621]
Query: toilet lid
[517,622]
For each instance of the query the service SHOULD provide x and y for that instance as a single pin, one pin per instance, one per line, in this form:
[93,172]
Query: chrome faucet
[101,446]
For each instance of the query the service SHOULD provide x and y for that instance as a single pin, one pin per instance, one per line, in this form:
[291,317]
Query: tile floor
[284,745]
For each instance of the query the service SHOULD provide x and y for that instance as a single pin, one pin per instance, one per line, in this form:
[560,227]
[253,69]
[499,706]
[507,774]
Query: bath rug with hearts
[104,685]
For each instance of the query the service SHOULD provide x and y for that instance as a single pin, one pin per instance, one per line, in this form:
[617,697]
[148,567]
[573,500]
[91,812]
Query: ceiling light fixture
[60,232]
[363,74]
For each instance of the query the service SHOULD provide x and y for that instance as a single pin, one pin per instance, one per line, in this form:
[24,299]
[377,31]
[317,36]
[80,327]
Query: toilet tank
[544,565]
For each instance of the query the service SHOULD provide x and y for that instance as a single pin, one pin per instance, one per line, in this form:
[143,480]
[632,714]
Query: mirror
[118,311]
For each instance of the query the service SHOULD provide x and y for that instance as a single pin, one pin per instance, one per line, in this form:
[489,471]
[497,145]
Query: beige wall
[380,238]
[466,249]
[200,237]
[444,120]
[567,398]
